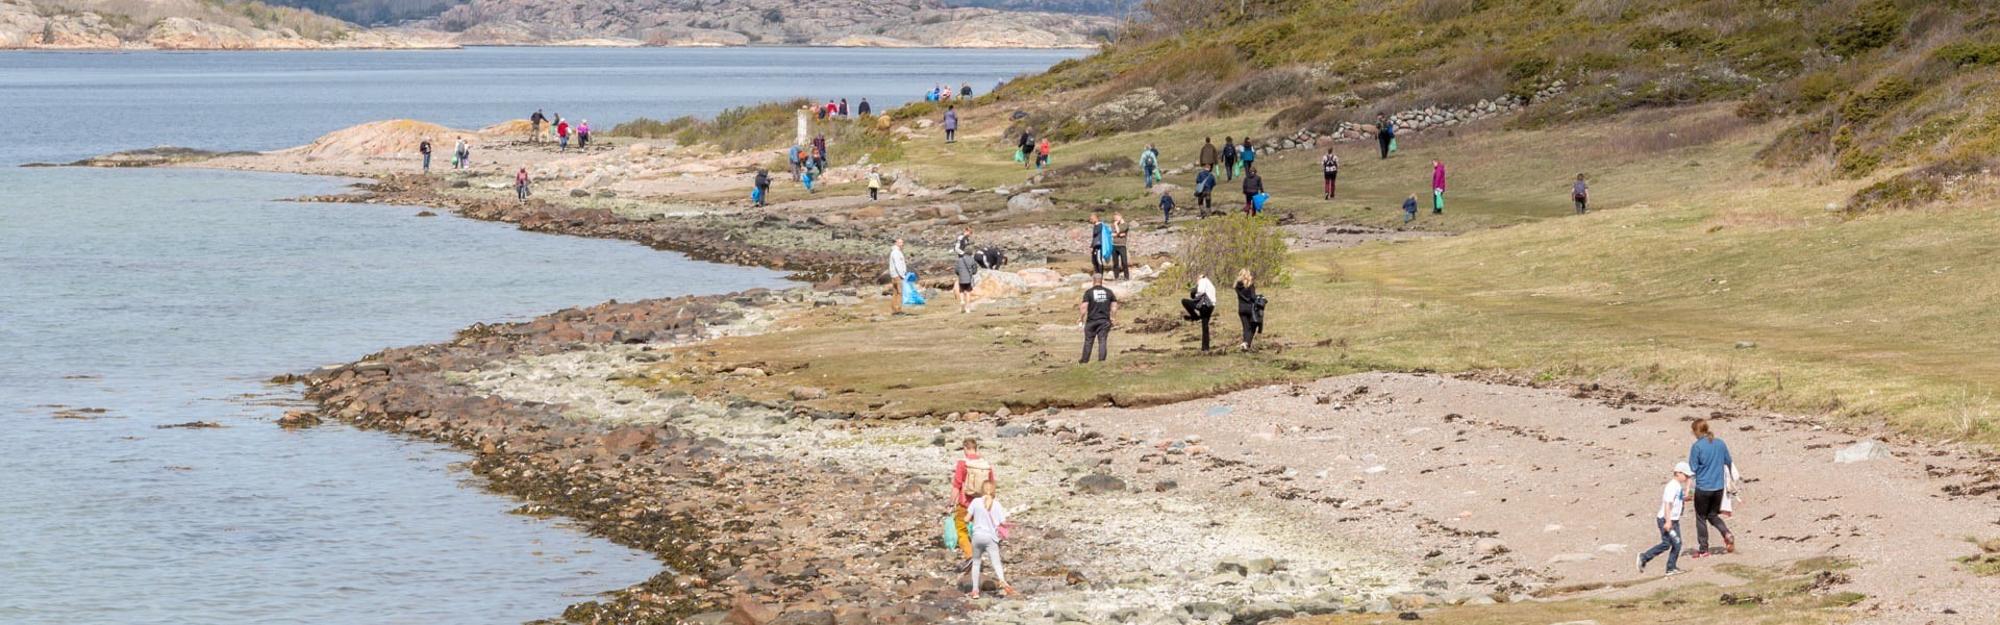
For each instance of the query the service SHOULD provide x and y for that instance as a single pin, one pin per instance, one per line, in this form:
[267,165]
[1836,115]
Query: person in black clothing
[1028,147]
[862,109]
[1204,191]
[1229,156]
[425,148]
[1384,132]
[1166,207]
[843,107]
[1121,262]
[1200,306]
[965,90]
[763,187]
[1098,305]
[1253,184]
[1249,307]
[535,126]
[1096,244]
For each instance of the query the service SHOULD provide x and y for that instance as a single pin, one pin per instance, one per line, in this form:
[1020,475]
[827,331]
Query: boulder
[994,283]
[1862,452]
[1490,547]
[747,611]
[803,393]
[1039,278]
[1029,203]
[1098,483]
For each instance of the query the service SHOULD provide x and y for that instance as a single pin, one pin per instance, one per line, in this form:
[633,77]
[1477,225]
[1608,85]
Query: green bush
[1220,246]
[1865,107]
[1967,54]
[648,128]
[1874,25]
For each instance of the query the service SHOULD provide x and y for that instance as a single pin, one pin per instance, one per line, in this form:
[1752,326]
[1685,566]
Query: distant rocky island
[252,25]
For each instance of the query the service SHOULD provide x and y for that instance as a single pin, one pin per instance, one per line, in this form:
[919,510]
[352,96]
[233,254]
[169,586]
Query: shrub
[1219,246]
[1865,107]
[647,128]
[1873,25]
[1965,54]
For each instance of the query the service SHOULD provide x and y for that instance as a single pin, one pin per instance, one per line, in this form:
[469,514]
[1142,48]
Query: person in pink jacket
[1437,187]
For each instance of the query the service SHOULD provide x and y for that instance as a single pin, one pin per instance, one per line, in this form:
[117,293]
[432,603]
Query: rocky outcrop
[188,25]
[875,23]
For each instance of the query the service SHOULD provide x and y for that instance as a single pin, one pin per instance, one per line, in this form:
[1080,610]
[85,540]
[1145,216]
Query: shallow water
[167,296]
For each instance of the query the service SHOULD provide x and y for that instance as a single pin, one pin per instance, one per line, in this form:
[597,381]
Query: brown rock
[747,611]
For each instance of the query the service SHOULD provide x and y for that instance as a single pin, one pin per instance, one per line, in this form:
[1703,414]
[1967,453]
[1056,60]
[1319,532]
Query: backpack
[977,473]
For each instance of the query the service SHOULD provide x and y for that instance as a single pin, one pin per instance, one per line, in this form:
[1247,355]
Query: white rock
[1862,452]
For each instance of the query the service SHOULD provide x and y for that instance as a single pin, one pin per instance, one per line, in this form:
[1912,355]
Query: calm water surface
[166,296]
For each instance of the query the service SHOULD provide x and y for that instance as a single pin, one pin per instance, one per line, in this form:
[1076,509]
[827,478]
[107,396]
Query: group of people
[1709,477]
[837,109]
[563,130]
[1201,300]
[1031,152]
[941,93]
[461,154]
[808,162]
[1235,161]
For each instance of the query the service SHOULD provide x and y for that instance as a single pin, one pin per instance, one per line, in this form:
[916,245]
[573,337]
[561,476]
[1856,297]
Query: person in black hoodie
[862,109]
[1253,184]
[1229,159]
[1027,146]
[763,187]
[1249,307]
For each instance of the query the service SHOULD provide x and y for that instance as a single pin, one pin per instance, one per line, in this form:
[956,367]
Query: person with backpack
[989,528]
[1329,168]
[1580,194]
[1385,132]
[1026,148]
[1121,261]
[535,122]
[521,186]
[1209,156]
[1229,157]
[1437,187]
[762,187]
[1166,207]
[1253,186]
[1668,521]
[1149,163]
[874,183]
[951,124]
[1200,305]
[424,148]
[1249,307]
[1204,191]
[1709,458]
[1097,308]
[968,476]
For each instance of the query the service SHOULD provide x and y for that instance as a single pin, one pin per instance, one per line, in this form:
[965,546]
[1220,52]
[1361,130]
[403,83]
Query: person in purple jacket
[1709,458]
[950,124]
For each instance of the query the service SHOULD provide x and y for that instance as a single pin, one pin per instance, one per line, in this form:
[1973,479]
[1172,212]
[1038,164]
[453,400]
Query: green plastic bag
[950,533]
[1239,169]
[1392,144]
[1020,156]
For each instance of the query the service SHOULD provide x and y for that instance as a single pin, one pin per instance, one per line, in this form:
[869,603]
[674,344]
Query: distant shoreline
[564,45]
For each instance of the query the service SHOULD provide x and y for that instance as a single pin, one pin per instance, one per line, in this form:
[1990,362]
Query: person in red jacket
[970,474]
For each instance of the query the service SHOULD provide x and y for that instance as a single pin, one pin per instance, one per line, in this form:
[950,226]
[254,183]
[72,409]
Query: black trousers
[1096,333]
[1121,263]
[1203,203]
[1202,314]
[1332,177]
[1096,261]
[1384,140]
[1250,328]
[1229,169]
[950,135]
[1708,511]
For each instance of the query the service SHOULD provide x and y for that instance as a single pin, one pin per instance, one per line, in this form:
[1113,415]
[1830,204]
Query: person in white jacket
[987,517]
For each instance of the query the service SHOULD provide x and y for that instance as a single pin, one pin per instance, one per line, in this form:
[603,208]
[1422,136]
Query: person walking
[425,149]
[1098,245]
[1709,457]
[1253,185]
[874,183]
[1329,168]
[1027,147]
[535,122]
[862,109]
[1410,209]
[1042,154]
[1149,163]
[989,520]
[583,135]
[951,124]
[898,268]
[1385,132]
[458,154]
[1121,261]
[762,191]
[1229,158]
[1580,194]
[1437,187]
[1668,521]
[1097,307]
[1204,191]
[1166,208]
[1249,307]
[967,268]
[521,186]
[1200,305]
[1247,155]
[562,135]
[1209,155]
[969,477]
[796,157]
[843,108]
[964,90]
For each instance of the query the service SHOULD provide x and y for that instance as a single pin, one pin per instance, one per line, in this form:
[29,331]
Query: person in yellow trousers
[967,478]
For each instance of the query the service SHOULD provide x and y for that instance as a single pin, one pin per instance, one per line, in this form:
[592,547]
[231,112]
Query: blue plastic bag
[910,296]
[1258,201]
[1104,241]
[757,196]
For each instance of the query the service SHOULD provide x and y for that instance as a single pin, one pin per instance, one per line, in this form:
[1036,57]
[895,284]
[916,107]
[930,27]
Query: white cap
[1683,468]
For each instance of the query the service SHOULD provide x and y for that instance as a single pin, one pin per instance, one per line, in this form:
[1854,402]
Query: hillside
[765,22]
[187,25]
[1866,86]
[389,12]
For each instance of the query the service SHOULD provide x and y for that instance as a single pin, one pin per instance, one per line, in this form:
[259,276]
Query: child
[1410,209]
[1668,521]
[874,183]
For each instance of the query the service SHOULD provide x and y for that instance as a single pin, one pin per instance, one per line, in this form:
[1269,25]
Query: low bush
[1220,246]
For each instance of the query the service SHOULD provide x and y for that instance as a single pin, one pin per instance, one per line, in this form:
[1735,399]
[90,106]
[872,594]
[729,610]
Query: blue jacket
[1204,181]
[1707,457]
